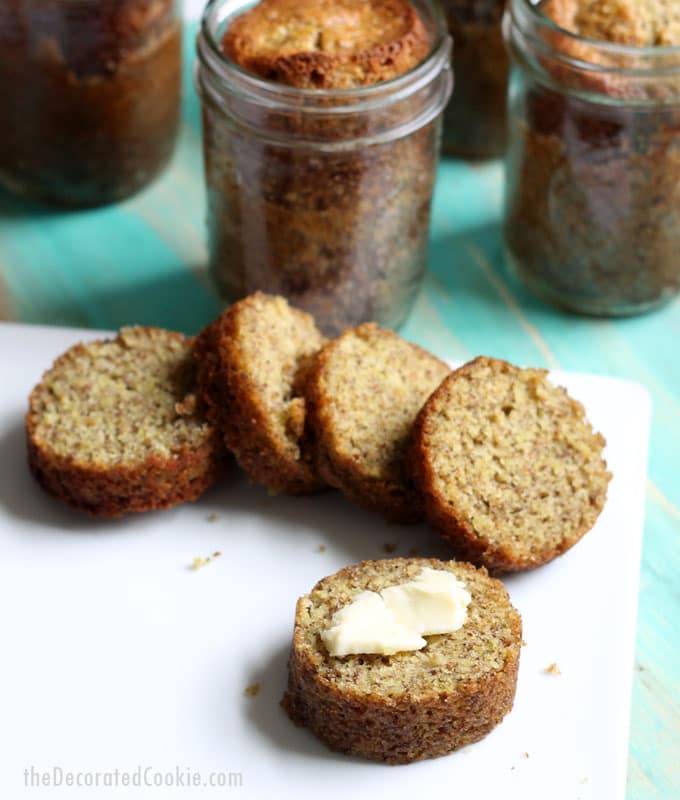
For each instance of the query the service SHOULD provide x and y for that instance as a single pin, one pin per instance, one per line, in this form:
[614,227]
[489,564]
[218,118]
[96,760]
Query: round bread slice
[411,705]
[511,471]
[364,392]
[264,348]
[114,426]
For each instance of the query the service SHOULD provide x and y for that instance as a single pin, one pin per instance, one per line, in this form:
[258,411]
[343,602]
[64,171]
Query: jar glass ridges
[89,92]
[592,212]
[322,196]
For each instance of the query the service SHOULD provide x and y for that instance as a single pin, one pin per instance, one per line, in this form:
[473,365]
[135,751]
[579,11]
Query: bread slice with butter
[412,704]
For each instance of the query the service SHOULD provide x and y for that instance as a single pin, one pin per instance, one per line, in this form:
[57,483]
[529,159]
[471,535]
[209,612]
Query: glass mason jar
[592,210]
[89,91]
[321,195]
[475,124]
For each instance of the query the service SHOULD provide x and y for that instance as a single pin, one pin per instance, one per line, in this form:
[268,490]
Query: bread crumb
[199,562]
[389,547]
[525,754]
[187,407]
[553,669]
[321,548]
[212,517]
[253,689]
[584,780]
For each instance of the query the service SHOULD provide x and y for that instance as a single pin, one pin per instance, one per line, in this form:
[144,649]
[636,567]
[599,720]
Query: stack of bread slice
[504,464]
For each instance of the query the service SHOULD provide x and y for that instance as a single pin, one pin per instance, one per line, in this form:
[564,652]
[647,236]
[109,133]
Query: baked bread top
[638,23]
[328,44]
[511,471]
[364,391]
[264,347]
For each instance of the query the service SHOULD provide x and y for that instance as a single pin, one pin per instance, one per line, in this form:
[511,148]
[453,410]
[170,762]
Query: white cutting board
[116,656]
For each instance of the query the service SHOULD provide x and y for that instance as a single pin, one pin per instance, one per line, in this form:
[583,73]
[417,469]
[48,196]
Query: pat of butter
[434,602]
[397,619]
[366,625]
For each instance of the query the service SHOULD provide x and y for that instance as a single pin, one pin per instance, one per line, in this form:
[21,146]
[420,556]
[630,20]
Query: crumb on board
[553,669]
[584,780]
[321,548]
[199,562]
[187,407]
[253,689]
[212,517]
[389,547]
[525,754]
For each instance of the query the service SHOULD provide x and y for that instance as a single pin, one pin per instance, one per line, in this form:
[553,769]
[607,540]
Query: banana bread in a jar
[89,92]
[475,120]
[321,140]
[592,217]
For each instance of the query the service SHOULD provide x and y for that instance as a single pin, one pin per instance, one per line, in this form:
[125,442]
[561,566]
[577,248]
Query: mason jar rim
[527,17]
[278,95]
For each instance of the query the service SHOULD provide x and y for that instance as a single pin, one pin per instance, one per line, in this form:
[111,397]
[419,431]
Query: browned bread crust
[64,419]
[156,484]
[408,706]
[629,23]
[209,384]
[363,393]
[510,469]
[328,44]
[263,345]
[636,23]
